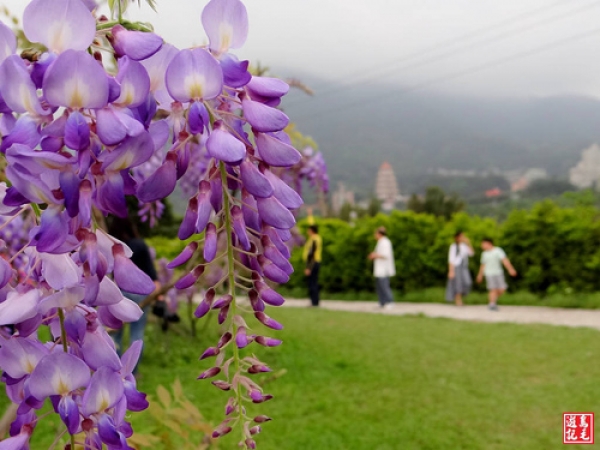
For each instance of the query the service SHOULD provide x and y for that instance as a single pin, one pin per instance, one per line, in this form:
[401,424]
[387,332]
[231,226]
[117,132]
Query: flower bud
[268,321]
[222,302]
[241,340]
[267,341]
[258,369]
[184,256]
[209,352]
[262,419]
[213,371]
[223,385]
[223,315]
[224,339]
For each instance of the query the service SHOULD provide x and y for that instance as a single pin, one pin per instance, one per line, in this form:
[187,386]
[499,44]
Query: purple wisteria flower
[78,137]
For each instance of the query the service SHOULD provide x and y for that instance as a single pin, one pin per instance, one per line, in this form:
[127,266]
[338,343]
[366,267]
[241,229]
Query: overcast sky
[357,41]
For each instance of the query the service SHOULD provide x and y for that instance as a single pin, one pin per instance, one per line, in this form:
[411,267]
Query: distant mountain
[360,127]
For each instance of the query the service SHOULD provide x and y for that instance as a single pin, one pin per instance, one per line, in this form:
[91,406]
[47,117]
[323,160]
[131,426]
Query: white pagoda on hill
[386,187]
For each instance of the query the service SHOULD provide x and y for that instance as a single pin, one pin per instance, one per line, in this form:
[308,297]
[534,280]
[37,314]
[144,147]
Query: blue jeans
[384,292]
[136,329]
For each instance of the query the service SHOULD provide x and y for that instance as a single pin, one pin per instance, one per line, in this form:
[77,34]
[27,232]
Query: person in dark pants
[313,251]
[384,267]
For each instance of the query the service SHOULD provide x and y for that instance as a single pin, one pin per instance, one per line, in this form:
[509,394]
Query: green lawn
[436,295]
[374,382]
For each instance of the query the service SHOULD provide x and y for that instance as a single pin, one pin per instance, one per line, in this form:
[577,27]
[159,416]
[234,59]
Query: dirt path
[477,313]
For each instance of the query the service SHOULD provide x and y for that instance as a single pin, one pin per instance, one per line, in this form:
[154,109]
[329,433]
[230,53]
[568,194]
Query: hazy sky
[358,41]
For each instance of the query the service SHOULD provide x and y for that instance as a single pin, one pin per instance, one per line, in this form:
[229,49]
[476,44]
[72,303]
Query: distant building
[586,173]
[340,197]
[523,181]
[492,193]
[386,187]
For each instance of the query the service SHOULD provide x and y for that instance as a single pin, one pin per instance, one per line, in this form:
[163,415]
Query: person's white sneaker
[388,306]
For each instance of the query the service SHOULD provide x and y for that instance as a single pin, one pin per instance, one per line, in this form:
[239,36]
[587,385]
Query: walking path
[477,313]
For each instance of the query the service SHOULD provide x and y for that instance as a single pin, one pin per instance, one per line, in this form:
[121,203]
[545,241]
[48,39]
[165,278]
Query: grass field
[436,295]
[374,382]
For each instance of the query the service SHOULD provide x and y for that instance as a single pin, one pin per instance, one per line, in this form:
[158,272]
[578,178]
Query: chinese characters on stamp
[578,428]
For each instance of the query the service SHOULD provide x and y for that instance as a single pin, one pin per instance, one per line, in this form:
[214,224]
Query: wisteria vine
[106,110]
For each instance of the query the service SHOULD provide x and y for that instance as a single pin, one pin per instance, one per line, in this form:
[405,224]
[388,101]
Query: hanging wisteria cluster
[110,110]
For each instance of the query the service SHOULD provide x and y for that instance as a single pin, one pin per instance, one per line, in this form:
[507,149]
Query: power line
[346,107]
[474,33]
[368,77]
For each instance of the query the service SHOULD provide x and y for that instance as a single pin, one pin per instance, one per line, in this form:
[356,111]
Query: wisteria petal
[134,151]
[104,391]
[76,80]
[134,81]
[59,24]
[188,224]
[276,152]
[282,192]
[69,185]
[6,272]
[65,298]
[77,132]
[210,242]
[266,87]
[113,126]
[239,227]
[204,206]
[129,277]
[98,351]
[18,442]
[194,74]
[274,213]
[108,431]
[19,307]
[25,132]
[264,118]
[161,183]
[185,255]
[16,87]
[131,357]
[52,232]
[235,72]
[126,310]
[69,413]
[58,374]
[40,67]
[19,356]
[137,45]
[59,271]
[198,118]
[254,181]
[226,24]
[8,42]
[225,147]
[108,293]
[250,211]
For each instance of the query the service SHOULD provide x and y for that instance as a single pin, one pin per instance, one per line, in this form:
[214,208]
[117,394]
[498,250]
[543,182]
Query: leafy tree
[436,202]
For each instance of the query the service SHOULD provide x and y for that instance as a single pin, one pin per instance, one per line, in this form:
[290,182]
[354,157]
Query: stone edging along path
[477,313]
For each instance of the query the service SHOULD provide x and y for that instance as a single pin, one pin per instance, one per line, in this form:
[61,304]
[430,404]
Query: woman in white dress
[459,277]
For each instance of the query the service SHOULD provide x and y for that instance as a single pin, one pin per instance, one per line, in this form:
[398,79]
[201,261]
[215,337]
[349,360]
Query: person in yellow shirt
[312,254]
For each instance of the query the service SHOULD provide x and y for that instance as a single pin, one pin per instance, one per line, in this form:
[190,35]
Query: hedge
[552,248]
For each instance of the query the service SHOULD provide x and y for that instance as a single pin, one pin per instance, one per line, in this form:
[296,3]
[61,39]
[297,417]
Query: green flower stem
[63,338]
[231,275]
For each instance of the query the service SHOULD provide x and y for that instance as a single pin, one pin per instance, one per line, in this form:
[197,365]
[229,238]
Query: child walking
[492,260]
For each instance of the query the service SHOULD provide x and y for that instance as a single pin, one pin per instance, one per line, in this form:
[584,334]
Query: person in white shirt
[492,260]
[459,278]
[384,267]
